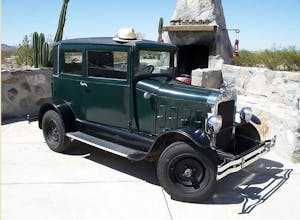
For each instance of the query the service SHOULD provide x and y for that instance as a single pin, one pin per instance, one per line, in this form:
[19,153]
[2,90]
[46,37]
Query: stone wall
[24,91]
[274,97]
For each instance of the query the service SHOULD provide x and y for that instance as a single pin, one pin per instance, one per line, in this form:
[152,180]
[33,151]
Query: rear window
[72,62]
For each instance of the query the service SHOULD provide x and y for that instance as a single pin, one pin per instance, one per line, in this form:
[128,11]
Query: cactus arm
[160,29]
[61,23]
[41,41]
[35,38]
[45,54]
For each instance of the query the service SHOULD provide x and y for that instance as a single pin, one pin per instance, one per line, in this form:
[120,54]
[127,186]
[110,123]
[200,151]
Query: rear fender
[63,109]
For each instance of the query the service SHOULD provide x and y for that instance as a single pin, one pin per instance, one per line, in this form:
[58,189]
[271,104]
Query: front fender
[63,109]
[198,139]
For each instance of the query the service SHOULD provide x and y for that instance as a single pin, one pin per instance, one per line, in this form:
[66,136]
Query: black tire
[186,174]
[54,132]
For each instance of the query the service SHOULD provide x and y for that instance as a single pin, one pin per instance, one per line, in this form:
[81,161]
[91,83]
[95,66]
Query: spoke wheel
[186,174]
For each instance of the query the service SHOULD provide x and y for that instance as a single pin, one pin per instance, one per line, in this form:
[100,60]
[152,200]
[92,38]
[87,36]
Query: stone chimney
[198,29]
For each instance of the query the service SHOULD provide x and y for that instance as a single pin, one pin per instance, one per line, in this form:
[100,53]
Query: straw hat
[126,35]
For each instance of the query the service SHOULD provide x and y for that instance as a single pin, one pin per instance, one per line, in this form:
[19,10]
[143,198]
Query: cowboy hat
[126,35]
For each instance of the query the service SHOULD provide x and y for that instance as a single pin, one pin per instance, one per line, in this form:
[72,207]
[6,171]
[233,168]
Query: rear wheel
[186,174]
[54,132]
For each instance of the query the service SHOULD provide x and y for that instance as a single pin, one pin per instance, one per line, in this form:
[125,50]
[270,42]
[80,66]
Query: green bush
[247,58]
[24,54]
[283,59]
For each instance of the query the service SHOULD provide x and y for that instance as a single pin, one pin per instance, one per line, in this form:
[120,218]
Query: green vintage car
[124,98]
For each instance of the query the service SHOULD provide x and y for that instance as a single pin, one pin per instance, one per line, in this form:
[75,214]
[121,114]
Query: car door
[106,95]
[66,83]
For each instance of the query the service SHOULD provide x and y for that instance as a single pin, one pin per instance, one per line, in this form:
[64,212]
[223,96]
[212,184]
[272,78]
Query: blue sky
[263,23]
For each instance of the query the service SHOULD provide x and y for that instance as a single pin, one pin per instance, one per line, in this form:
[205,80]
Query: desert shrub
[274,59]
[270,59]
[290,58]
[6,54]
[247,58]
[24,54]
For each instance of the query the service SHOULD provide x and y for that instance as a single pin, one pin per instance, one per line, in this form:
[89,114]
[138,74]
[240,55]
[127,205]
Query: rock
[274,97]
[11,94]
[278,86]
[24,91]
[277,119]
[195,9]
[207,78]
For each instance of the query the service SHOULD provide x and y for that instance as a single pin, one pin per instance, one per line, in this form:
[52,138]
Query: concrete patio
[87,183]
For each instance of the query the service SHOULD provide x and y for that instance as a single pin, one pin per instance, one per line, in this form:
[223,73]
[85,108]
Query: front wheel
[54,132]
[186,174]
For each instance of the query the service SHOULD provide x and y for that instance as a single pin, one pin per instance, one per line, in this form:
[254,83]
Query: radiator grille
[224,137]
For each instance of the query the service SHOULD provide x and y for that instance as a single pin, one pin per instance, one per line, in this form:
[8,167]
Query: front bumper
[237,163]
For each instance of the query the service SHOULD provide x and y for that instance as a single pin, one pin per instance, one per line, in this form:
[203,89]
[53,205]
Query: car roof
[110,41]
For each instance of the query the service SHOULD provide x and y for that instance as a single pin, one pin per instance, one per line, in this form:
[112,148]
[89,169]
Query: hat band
[123,38]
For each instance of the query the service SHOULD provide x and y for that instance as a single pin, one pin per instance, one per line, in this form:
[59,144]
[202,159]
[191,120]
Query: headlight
[214,124]
[246,114]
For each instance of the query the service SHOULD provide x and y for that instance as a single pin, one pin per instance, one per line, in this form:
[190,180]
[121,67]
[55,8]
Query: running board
[108,146]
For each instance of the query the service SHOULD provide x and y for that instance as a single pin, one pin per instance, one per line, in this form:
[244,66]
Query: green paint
[149,106]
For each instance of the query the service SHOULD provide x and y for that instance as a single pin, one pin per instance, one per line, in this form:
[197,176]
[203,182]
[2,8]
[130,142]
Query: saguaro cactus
[160,29]
[41,42]
[61,23]
[45,54]
[35,38]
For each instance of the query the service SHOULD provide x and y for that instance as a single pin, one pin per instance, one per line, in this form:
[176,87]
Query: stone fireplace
[199,31]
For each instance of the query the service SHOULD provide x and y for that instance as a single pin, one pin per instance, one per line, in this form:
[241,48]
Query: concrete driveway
[87,183]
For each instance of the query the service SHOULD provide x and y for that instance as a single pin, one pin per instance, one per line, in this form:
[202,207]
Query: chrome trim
[215,99]
[212,98]
[236,165]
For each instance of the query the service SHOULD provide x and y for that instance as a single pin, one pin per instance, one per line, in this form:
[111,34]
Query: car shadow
[143,170]
[250,187]
[6,121]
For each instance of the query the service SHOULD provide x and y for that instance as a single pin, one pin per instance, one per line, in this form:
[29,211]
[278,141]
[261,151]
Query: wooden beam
[191,28]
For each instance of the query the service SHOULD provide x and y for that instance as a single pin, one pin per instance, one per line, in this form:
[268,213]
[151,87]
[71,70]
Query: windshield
[155,62]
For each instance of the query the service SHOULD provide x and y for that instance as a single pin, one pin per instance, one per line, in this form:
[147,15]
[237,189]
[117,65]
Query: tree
[24,55]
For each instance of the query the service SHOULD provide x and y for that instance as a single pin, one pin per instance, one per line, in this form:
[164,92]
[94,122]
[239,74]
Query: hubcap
[188,172]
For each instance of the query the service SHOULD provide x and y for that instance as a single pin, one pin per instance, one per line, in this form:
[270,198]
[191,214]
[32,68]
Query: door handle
[84,84]
[147,95]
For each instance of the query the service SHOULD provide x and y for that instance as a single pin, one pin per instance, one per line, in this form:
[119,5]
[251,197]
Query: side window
[111,64]
[72,62]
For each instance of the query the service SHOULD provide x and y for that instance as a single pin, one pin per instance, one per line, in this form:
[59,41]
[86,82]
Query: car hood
[177,90]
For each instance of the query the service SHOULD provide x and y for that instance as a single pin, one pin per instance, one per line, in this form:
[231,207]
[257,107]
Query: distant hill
[7,47]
